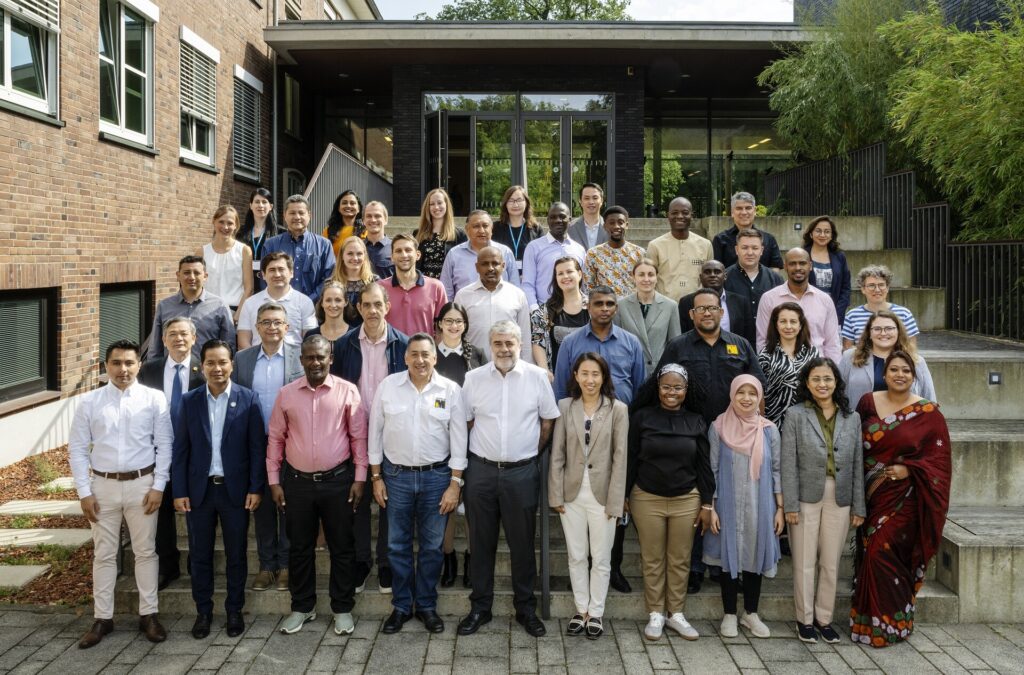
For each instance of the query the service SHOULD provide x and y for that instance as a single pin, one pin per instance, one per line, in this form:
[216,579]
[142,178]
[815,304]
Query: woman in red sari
[907,471]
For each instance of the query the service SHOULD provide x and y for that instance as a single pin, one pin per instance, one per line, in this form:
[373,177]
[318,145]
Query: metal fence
[849,184]
[985,290]
[338,171]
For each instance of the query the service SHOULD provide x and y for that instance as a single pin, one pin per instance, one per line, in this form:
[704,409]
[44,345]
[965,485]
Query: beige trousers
[588,530]
[117,500]
[665,528]
[817,542]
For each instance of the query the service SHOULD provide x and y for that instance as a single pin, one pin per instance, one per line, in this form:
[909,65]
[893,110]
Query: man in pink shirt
[316,460]
[415,298]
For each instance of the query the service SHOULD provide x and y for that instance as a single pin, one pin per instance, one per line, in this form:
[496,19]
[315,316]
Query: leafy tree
[956,104]
[532,10]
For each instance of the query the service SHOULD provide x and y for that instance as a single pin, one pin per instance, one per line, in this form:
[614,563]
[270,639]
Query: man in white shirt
[417,452]
[122,433]
[512,411]
[492,299]
[277,269]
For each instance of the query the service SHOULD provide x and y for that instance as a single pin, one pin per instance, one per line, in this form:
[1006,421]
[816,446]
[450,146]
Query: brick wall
[76,211]
[409,83]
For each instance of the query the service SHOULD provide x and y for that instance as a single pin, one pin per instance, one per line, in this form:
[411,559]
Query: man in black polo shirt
[743,209]
[713,357]
[749,278]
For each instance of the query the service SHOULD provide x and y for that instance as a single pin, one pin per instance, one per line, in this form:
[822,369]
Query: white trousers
[588,529]
[817,542]
[117,500]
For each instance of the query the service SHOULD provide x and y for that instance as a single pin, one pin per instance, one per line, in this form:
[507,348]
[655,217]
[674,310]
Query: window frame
[248,84]
[150,14]
[49,344]
[145,290]
[49,52]
[292,94]
[188,119]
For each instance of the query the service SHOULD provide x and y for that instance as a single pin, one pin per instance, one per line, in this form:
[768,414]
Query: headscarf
[744,432]
[674,368]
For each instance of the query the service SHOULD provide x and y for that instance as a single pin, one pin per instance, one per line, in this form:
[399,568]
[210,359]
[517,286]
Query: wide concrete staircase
[976,575]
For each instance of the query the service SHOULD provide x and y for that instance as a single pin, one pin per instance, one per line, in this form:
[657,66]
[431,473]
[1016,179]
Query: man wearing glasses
[277,270]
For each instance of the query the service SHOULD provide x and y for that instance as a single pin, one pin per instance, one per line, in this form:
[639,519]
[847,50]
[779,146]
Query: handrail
[338,171]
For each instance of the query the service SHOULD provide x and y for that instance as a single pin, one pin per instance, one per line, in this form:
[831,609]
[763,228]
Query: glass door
[589,156]
[562,152]
[492,161]
[542,139]
[436,150]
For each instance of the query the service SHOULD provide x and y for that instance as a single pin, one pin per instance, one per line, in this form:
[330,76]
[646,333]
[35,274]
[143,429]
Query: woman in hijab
[747,517]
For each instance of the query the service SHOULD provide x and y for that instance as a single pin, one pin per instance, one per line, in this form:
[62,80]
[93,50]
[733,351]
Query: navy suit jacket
[243,447]
[840,288]
[348,357]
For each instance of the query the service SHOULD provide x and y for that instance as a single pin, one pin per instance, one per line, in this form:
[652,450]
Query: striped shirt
[857,317]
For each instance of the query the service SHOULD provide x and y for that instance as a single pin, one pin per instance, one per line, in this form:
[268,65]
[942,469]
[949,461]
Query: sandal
[595,628]
[577,624]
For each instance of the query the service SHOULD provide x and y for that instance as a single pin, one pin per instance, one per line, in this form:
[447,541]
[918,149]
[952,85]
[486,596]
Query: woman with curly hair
[346,221]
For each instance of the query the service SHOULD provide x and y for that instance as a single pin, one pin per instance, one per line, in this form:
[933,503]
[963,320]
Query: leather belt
[503,465]
[320,476]
[216,480]
[125,475]
[423,467]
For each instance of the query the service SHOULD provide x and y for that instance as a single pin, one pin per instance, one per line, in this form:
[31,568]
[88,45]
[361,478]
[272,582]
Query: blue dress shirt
[217,407]
[621,349]
[459,269]
[267,380]
[539,262]
[312,256]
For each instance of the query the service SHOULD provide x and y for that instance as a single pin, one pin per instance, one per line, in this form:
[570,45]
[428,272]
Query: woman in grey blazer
[822,491]
[587,484]
[647,314]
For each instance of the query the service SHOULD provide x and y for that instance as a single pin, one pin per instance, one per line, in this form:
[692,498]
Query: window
[198,98]
[124,313]
[28,331]
[293,10]
[291,106]
[245,131]
[28,53]
[294,182]
[126,68]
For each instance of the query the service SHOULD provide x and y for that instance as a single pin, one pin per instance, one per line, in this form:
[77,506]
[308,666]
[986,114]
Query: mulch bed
[44,522]
[22,480]
[67,583]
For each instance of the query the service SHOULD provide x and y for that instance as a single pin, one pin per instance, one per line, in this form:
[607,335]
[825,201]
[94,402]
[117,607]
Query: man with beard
[678,254]
[541,254]
[492,299]
[736,315]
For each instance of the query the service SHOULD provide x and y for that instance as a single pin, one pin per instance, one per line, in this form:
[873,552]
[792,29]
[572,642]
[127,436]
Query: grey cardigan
[804,456]
[245,365]
[654,332]
[861,380]
[607,459]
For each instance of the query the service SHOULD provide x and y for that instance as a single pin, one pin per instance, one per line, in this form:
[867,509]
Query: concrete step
[53,537]
[927,304]
[856,233]
[41,507]
[988,462]
[936,604]
[961,365]
[14,577]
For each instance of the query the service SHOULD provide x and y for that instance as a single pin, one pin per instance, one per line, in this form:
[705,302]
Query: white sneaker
[679,624]
[728,627]
[654,626]
[753,623]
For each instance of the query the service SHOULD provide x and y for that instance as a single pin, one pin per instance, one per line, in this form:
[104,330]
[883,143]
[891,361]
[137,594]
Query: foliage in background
[958,106]
[831,94]
[531,10]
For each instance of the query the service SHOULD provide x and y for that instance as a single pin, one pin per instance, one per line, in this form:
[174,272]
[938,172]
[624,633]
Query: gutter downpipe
[273,119]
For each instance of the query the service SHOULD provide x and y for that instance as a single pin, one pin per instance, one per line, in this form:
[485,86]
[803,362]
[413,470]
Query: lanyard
[256,244]
[516,240]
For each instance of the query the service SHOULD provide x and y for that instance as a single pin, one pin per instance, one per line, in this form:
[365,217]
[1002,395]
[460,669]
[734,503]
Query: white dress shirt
[506,410]
[115,431]
[485,308]
[299,309]
[415,428]
[182,375]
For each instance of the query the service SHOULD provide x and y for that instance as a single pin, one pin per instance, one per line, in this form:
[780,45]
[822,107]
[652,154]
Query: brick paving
[45,642]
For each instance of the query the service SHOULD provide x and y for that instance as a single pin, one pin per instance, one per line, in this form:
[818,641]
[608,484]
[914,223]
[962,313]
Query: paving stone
[442,652]
[19,576]
[263,626]
[606,669]
[246,650]
[481,644]
[550,651]
[15,655]
[922,644]
[286,652]
[833,663]
[854,656]
[12,636]
[781,650]
[662,657]
[54,648]
[936,634]
[326,658]
[636,663]
[156,665]
[181,644]
[357,651]
[42,635]
[41,507]
[214,657]
[900,656]
[90,661]
[969,632]
[475,665]
[21,619]
[436,669]
[745,657]
[233,669]
[28,668]
[36,536]
[945,663]
[1011,633]
[551,670]
[522,660]
[628,638]
[704,656]
[794,668]
[1000,655]
[401,653]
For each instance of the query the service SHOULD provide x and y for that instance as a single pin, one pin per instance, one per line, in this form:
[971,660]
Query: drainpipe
[273,120]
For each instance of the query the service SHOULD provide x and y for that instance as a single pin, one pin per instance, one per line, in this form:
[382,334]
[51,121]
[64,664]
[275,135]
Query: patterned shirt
[607,266]
[782,375]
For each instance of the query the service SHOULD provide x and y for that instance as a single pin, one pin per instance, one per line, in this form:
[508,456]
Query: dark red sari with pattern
[904,517]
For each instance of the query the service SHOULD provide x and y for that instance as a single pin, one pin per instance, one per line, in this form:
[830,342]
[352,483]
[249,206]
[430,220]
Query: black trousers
[620,536]
[751,592]
[308,505]
[167,535]
[362,528]
[507,497]
[202,528]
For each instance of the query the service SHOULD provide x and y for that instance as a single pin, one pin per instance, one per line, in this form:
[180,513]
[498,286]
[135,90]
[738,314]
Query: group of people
[687,388]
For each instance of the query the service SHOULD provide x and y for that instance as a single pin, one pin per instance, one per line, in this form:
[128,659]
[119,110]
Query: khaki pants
[117,500]
[665,528]
[818,542]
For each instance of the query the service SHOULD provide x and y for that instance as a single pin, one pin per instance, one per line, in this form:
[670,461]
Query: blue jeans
[413,508]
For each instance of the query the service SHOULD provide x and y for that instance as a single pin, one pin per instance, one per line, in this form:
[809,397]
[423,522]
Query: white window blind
[45,13]
[198,84]
[245,132]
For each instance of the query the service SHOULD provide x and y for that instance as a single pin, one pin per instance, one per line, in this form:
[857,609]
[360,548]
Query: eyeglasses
[586,434]
[672,388]
[823,233]
[883,330]
[272,323]
[519,200]
[452,322]
[707,309]
[822,380]
[875,287]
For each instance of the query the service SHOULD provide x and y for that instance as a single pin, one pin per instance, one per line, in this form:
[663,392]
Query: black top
[455,366]
[433,252]
[711,368]
[724,247]
[740,320]
[524,235]
[669,453]
[737,281]
[565,325]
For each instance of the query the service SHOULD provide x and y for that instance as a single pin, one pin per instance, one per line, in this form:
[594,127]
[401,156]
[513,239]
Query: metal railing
[985,289]
[849,184]
[339,171]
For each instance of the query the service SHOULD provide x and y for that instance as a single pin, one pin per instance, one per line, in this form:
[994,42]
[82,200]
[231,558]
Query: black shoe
[384,579]
[577,625]
[465,570]
[828,633]
[431,621]
[166,578]
[595,628]
[361,571]
[619,582]
[533,625]
[235,625]
[805,632]
[784,545]
[696,581]
[450,570]
[715,574]
[394,623]
[201,628]
[472,622]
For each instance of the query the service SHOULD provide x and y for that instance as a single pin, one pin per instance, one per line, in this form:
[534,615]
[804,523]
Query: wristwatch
[458,481]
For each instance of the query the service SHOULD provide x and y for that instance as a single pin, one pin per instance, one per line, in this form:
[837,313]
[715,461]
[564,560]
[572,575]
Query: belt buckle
[318,476]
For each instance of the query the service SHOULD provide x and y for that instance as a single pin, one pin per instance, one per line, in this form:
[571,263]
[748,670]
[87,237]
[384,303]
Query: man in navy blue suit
[219,470]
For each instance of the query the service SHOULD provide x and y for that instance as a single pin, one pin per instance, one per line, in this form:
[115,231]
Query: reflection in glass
[589,154]
[469,102]
[675,165]
[108,35]
[134,40]
[543,165]
[27,67]
[134,102]
[566,102]
[493,162]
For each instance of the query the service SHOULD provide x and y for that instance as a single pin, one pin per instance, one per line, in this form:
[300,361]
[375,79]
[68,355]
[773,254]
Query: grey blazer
[245,365]
[804,456]
[607,459]
[654,332]
[578,233]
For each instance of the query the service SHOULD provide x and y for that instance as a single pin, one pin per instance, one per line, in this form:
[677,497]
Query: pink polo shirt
[413,310]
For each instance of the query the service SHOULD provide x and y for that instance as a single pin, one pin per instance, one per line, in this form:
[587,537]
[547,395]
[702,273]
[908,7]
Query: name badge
[732,349]
[519,266]
[439,403]
[255,265]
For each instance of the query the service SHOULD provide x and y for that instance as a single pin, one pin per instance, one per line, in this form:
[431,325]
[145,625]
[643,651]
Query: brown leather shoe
[150,626]
[94,635]
[263,580]
[282,580]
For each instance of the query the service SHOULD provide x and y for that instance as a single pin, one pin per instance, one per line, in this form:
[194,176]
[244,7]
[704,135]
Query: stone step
[988,462]
[13,577]
[41,507]
[54,537]
[927,304]
[960,365]
[936,604]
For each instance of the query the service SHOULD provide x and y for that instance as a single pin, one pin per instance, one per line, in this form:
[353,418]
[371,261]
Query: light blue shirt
[539,262]
[267,380]
[459,269]
[218,410]
[621,350]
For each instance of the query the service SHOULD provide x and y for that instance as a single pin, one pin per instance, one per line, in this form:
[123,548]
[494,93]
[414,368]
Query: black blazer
[741,320]
[151,374]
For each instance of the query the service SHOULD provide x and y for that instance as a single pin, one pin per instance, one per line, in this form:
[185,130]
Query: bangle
[707,508]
